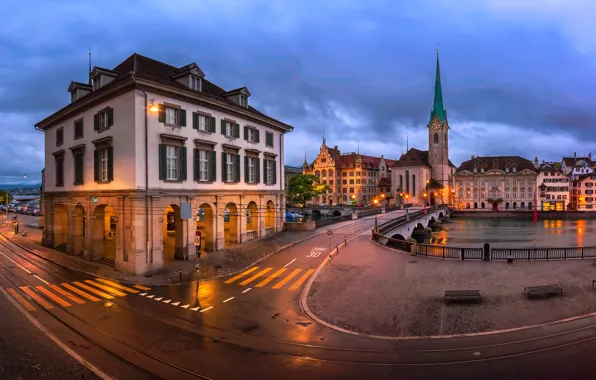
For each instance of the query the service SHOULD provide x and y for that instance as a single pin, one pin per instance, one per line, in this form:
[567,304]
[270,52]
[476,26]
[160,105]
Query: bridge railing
[530,254]
[394,223]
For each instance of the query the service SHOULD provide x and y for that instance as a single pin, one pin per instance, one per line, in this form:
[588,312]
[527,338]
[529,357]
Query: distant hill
[20,186]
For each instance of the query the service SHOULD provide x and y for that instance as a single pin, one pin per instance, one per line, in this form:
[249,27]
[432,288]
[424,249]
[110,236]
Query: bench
[545,290]
[463,295]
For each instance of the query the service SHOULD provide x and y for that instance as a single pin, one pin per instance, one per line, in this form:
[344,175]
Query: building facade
[150,163]
[553,187]
[582,193]
[495,183]
[574,167]
[425,177]
[351,177]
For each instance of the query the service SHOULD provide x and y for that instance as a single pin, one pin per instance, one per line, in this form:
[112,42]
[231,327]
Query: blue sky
[518,75]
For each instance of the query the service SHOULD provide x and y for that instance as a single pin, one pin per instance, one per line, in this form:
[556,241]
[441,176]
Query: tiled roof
[571,161]
[497,162]
[434,184]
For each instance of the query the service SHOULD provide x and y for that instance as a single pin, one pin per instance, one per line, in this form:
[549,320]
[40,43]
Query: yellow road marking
[287,279]
[252,278]
[67,294]
[241,275]
[301,280]
[142,287]
[90,289]
[36,298]
[80,292]
[116,285]
[54,297]
[106,288]
[270,278]
[20,299]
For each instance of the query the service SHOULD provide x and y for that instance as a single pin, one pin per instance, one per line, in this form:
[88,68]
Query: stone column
[135,246]
[218,216]
[242,210]
[70,232]
[48,232]
[262,213]
[156,226]
[97,221]
[87,219]
[189,233]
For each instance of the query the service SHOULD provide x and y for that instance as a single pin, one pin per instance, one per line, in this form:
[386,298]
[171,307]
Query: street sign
[94,200]
[329,232]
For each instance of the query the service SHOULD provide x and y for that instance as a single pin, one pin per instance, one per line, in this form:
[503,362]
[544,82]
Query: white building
[149,155]
[553,187]
[577,166]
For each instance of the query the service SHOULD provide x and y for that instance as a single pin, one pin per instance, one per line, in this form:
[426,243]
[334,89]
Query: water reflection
[522,233]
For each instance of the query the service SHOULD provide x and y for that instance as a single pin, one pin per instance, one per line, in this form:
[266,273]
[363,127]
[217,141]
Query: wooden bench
[544,290]
[463,295]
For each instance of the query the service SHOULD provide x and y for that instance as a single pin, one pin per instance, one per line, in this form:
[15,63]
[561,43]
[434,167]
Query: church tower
[438,136]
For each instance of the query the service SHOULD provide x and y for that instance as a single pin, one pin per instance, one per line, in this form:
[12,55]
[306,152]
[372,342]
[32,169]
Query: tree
[3,197]
[303,187]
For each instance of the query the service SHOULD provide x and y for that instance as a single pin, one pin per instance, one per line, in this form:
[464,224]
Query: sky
[518,76]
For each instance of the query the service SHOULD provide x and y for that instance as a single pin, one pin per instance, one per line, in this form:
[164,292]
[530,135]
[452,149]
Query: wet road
[251,326]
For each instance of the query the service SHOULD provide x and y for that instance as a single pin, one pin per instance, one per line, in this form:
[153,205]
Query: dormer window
[514,169]
[195,83]
[73,96]
[96,83]
[243,101]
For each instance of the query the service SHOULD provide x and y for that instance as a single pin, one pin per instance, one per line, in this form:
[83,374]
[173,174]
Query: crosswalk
[261,277]
[73,293]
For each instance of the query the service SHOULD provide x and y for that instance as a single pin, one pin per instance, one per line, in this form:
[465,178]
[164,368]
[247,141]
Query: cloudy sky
[518,75]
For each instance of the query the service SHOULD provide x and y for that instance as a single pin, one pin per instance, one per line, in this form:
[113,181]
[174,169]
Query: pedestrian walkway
[275,279]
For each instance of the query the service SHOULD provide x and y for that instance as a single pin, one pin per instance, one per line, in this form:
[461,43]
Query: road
[251,325]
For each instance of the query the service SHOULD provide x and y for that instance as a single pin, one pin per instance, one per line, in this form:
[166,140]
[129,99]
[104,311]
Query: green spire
[438,109]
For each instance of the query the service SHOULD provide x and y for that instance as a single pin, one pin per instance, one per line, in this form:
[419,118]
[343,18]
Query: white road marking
[289,263]
[175,304]
[246,290]
[142,294]
[195,308]
[167,301]
[19,265]
[151,296]
[210,307]
[159,299]
[41,279]
[185,306]
[229,299]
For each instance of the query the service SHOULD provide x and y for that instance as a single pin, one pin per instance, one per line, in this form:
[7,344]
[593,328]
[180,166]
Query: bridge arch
[336,213]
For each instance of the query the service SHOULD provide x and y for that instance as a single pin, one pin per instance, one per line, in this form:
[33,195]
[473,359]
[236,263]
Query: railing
[392,224]
[449,252]
[543,253]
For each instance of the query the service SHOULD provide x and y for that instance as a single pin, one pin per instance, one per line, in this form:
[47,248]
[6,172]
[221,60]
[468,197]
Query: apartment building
[151,163]
[553,187]
[582,193]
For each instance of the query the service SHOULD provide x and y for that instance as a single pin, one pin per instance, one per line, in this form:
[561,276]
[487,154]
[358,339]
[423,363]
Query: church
[424,177]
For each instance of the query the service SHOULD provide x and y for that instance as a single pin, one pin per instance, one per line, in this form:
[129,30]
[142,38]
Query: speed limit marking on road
[329,232]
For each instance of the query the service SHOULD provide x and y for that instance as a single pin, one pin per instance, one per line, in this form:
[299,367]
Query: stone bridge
[319,212]
[403,227]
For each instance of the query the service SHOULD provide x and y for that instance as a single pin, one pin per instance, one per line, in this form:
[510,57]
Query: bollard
[330,259]
[337,248]
[346,242]
[180,273]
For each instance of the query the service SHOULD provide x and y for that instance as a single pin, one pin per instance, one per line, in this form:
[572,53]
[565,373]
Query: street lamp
[407,214]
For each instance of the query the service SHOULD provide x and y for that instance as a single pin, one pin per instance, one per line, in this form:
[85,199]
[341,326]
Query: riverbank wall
[525,214]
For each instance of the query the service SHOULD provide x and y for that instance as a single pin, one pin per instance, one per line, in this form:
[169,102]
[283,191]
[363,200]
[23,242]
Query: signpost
[329,234]
[198,244]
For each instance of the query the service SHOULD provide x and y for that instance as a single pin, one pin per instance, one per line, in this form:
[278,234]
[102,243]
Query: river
[515,233]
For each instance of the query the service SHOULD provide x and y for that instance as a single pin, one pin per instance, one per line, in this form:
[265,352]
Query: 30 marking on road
[315,252]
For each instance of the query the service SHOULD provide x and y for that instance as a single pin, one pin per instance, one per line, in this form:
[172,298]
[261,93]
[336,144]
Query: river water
[515,233]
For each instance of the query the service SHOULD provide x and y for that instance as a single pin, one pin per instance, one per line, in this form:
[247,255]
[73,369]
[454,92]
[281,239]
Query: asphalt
[263,332]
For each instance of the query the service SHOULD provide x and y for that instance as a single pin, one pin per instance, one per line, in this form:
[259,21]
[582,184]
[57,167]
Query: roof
[497,162]
[415,157]
[156,71]
[434,184]
[571,161]
[349,160]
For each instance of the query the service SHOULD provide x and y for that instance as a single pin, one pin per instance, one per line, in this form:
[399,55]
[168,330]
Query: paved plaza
[373,290]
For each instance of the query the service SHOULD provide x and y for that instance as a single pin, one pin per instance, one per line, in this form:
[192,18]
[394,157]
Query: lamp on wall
[153,106]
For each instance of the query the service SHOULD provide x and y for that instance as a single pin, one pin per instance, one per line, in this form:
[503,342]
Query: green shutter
[96,165]
[213,174]
[110,112]
[265,170]
[162,161]
[245,133]
[258,133]
[96,122]
[223,127]
[246,169]
[274,170]
[237,131]
[110,163]
[182,120]
[237,167]
[223,167]
[196,163]
[195,120]
[183,167]
[211,124]
[257,170]
[161,114]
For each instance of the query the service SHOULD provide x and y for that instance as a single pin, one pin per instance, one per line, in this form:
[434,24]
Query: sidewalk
[212,264]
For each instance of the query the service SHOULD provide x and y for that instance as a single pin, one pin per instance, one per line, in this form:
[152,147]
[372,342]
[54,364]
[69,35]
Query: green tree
[3,197]
[303,187]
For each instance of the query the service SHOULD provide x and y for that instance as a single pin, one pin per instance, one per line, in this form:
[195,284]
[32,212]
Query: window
[171,162]
[59,170]
[345,181]
[251,134]
[436,139]
[270,172]
[243,101]
[203,166]
[78,167]
[96,83]
[351,182]
[103,165]
[269,139]
[60,136]
[171,115]
[351,189]
[78,129]
[229,167]
[351,174]
[202,122]
[251,166]
[103,120]
[195,83]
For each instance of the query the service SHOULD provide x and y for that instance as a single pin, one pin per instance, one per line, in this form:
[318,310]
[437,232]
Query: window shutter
[237,167]
[182,120]
[246,169]
[211,124]
[110,112]
[223,167]
[162,161]
[237,131]
[195,120]
[245,133]
[213,174]
[196,163]
[161,114]
[183,167]
[274,171]
[223,127]
[265,170]
[257,135]
[96,165]
[257,170]
[96,122]
[110,163]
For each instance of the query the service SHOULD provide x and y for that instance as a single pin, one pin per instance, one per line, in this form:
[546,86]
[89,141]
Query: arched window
[407,181]
[482,205]
[324,173]
[523,205]
[514,205]
[330,173]
[445,139]
[436,138]
[475,205]
[413,185]
[507,205]
[318,173]
[401,182]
